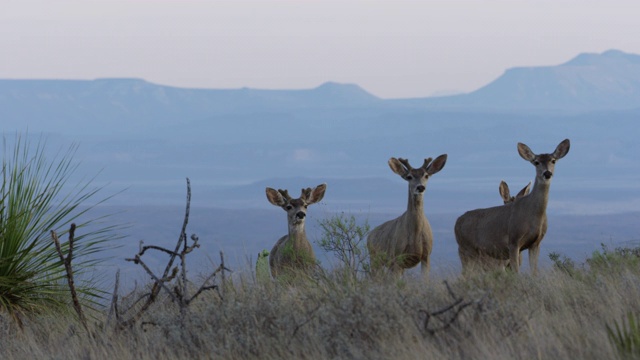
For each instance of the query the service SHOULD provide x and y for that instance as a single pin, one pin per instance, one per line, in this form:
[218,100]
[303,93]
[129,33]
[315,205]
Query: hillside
[135,105]
[589,82]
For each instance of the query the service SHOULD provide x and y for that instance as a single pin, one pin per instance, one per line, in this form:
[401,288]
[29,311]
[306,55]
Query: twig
[144,249]
[158,282]
[69,270]
[223,268]
[114,302]
[204,284]
[310,316]
[179,293]
[457,306]
[182,238]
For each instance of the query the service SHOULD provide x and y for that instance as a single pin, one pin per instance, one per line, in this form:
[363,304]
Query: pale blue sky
[390,48]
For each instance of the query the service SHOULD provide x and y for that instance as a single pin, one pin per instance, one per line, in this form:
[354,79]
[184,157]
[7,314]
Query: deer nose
[547,174]
[300,215]
[420,188]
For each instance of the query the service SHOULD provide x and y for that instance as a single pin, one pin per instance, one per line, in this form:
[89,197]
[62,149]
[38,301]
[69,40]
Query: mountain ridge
[588,82]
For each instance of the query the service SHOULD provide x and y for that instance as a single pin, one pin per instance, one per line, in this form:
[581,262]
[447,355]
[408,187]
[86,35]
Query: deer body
[293,252]
[502,232]
[406,241]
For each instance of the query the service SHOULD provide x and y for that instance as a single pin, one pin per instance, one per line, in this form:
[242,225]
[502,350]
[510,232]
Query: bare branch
[144,249]
[452,311]
[158,281]
[69,270]
[114,302]
[179,291]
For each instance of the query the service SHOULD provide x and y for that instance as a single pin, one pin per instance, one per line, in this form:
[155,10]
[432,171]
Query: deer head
[544,163]
[417,178]
[296,208]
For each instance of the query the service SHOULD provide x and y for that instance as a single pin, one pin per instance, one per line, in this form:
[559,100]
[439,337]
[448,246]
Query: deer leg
[514,258]
[424,266]
[465,260]
[534,252]
[396,270]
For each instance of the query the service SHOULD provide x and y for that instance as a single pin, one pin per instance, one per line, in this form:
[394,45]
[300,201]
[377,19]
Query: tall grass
[492,315]
[35,198]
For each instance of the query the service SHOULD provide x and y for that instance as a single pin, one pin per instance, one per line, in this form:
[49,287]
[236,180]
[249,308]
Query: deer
[293,252]
[404,242]
[486,262]
[502,232]
[505,194]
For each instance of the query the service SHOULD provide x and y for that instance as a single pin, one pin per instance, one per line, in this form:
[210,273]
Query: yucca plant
[35,198]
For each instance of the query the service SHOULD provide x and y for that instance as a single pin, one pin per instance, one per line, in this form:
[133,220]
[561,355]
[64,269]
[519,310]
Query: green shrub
[618,259]
[625,336]
[563,264]
[345,239]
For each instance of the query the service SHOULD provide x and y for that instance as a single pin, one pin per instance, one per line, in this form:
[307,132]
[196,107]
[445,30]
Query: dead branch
[448,314]
[158,282]
[204,287]
[114,303]
[310,316]
[179,294]
[144,249]
[69,270]
[222,268]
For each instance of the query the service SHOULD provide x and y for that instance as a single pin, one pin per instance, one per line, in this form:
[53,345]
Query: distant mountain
[589,82]
[125,105]
[607,81]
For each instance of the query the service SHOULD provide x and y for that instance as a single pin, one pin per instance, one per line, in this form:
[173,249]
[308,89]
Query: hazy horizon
[391,49]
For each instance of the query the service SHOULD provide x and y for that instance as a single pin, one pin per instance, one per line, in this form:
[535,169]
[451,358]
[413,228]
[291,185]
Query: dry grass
[499,316]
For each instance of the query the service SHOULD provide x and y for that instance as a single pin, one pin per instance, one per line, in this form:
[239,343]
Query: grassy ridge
[499,316]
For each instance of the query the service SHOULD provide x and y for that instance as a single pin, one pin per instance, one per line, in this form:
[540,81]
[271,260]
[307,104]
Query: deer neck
[297,234]
[415,206]
[539,197]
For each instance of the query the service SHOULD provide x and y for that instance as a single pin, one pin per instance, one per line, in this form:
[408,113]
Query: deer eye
[289,207]
[553,161]
[409,177]
[536,162]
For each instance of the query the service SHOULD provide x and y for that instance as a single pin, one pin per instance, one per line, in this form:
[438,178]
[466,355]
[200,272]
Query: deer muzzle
[547,174]
[420,188]
[300,215]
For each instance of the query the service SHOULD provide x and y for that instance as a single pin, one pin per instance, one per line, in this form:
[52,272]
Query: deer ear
[562,149]
[397,167]
[525,152]
[504,192]
[525,190]
[437,164]
[316,194]
[275,197]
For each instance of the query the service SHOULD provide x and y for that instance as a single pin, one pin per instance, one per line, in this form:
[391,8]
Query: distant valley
[146,139]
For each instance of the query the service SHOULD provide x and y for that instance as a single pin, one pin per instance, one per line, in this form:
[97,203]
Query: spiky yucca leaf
[35,198]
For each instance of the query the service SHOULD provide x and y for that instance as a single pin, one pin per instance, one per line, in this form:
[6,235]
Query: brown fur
[502,232]
[293,252]
[406,241]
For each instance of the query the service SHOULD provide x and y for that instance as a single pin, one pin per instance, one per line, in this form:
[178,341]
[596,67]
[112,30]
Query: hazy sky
[390,48]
